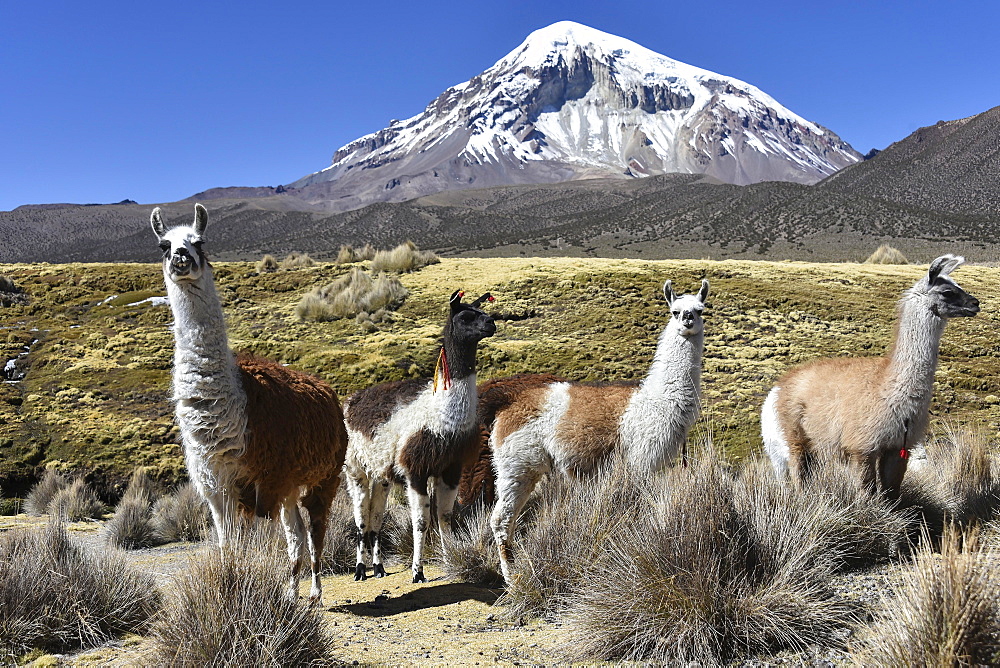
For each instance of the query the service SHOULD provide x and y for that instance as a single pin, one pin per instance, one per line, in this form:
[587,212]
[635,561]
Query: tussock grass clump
[469,554]
[76,502]
[132,526]
[267,264]
[352,294]
[56,597]
[234,609]
[402,259]
[946,612]
[39,497]
[959,481]
[569,528]
[297,260]
[340,547]
[706,574]
[181,516]
[886,254]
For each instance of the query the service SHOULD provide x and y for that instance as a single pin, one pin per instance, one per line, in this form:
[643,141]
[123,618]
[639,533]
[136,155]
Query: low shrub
[353,293]
[181,516]
[346,255]
[76,502]
[404,258]
[886,254]
[40,496]
[267,264]
[233,608]
[946,612]
[57,597]
[141,488]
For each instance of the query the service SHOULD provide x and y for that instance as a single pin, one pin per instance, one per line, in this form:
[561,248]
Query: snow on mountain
[574,102]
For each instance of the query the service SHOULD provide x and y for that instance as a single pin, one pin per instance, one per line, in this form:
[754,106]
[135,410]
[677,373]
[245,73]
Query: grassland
[95,397]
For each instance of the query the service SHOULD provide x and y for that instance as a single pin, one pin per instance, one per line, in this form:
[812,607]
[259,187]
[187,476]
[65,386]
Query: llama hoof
[359,573]
[378,571]
[418,576]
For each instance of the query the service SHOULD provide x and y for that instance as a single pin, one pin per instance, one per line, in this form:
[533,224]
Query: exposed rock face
[573,102]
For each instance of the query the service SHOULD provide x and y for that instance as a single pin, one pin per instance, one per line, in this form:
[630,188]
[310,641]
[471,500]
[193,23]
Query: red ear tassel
[491,299]
[904,454]
[461,293]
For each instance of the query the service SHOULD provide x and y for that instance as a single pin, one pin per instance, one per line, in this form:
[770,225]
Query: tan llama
[869,411]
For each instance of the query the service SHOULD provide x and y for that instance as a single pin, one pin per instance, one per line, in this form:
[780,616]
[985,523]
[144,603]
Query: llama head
[685,310]
[943,295]
[467,323]
[183,258]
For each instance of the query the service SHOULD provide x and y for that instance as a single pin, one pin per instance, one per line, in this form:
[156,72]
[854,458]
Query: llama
[539,423]
[258,438]
[416,431]
[869,411]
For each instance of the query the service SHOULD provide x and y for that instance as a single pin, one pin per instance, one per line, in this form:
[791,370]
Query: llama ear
[943,266]
[485,298]
[703,293]
[456,299]
[200,219]
[156,221]
[668,292]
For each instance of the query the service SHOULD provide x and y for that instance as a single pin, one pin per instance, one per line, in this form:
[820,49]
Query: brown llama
[869,411]
[258,437]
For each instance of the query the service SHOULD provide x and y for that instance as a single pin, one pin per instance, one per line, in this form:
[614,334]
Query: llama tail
[774,438]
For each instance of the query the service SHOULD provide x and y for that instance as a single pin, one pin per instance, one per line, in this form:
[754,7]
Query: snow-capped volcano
[574,102]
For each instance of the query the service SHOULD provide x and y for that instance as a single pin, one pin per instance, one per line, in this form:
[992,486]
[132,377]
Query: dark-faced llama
[539,424]
[258,438]
[416,432]
[869,411]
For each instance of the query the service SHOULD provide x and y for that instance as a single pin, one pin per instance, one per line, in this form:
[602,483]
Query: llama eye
[197,244]
[675,313]
[165,246]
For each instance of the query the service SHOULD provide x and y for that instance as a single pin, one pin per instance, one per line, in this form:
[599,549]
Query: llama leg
[358,486]
[380,497]
[512,493]
[225,516]
[446,493]
[773,436]
[295,531]
[317,502]
[420,514]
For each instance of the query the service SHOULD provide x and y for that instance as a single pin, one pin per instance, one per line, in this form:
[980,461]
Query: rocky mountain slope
[935,191]
[574,102]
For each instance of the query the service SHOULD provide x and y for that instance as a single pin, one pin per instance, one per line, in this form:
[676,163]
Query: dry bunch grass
[886,254]
[56,597]
[708,572]
[297,260]
[39,497]
[945,613]
[181,516]
[234,609]
[348,254]
[469,553]
[959,481]
[76,502]
[350,295]
[267,264]
[132,526]
[404,258]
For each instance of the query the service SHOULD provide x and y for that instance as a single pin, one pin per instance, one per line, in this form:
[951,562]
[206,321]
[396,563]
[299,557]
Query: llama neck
[461,358]
[677,362]
[914,353]
[204,367]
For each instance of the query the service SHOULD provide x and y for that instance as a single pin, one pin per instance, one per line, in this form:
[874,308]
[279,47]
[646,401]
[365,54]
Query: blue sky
[103,101]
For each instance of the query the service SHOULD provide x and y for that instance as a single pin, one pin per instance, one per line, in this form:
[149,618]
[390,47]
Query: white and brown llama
[415,432]
[868,411]
[258,438]
[539,423]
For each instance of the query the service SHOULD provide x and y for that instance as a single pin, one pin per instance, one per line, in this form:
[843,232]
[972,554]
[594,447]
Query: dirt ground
[384,621]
